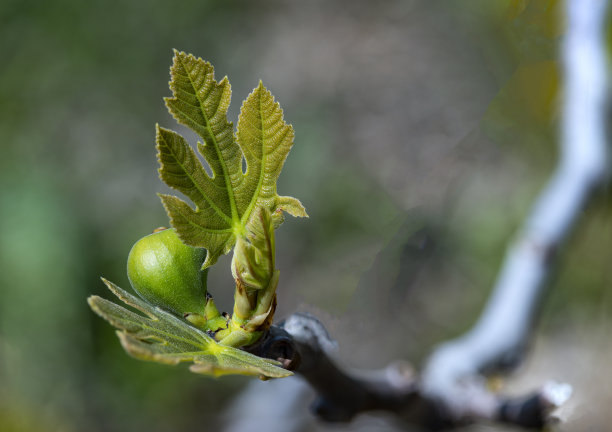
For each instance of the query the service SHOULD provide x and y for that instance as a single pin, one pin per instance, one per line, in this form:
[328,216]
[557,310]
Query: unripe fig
[167,273]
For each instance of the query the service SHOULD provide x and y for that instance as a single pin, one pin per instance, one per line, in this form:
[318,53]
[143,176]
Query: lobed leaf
[265,140]
[226,201]
[162,337]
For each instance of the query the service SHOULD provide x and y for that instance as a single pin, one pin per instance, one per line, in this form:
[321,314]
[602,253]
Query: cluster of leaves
[226,201]
[160,336]
[232,208]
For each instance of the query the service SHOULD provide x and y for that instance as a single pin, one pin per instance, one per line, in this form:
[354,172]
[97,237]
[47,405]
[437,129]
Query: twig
[342,394]
[451,390]
[302,343]
[452,375]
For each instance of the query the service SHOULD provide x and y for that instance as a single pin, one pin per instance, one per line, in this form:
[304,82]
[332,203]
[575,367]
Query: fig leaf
[157,335]
[228,200]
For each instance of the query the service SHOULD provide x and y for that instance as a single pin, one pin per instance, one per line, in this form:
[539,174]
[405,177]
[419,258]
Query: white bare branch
[452,375]
[452,390]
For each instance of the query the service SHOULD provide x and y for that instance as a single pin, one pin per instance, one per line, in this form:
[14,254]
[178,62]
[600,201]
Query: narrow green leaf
[227,200]
[162,337]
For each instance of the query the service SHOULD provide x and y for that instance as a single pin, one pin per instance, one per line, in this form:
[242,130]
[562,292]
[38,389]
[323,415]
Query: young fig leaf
[226,203]
[162,337]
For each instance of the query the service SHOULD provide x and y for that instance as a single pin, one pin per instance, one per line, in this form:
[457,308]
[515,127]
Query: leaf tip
[91,301]
[291,205]
[95,303]
[209,261]
[106,282]
[179,55]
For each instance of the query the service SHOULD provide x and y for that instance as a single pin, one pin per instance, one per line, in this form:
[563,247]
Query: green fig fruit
[167,273]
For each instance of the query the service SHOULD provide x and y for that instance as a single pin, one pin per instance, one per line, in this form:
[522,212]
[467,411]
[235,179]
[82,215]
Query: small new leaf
[162,337]
[227,201]
[253,261]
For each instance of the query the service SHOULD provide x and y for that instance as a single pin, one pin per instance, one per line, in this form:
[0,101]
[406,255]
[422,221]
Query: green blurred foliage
[437,119]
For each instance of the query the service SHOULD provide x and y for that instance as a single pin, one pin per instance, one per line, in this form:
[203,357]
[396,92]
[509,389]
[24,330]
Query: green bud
[167,273]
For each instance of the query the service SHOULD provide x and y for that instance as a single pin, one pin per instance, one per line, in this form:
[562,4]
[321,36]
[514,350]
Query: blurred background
[424,130]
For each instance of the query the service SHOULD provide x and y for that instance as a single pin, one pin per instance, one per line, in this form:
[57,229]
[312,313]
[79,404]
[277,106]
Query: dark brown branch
[302,344]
